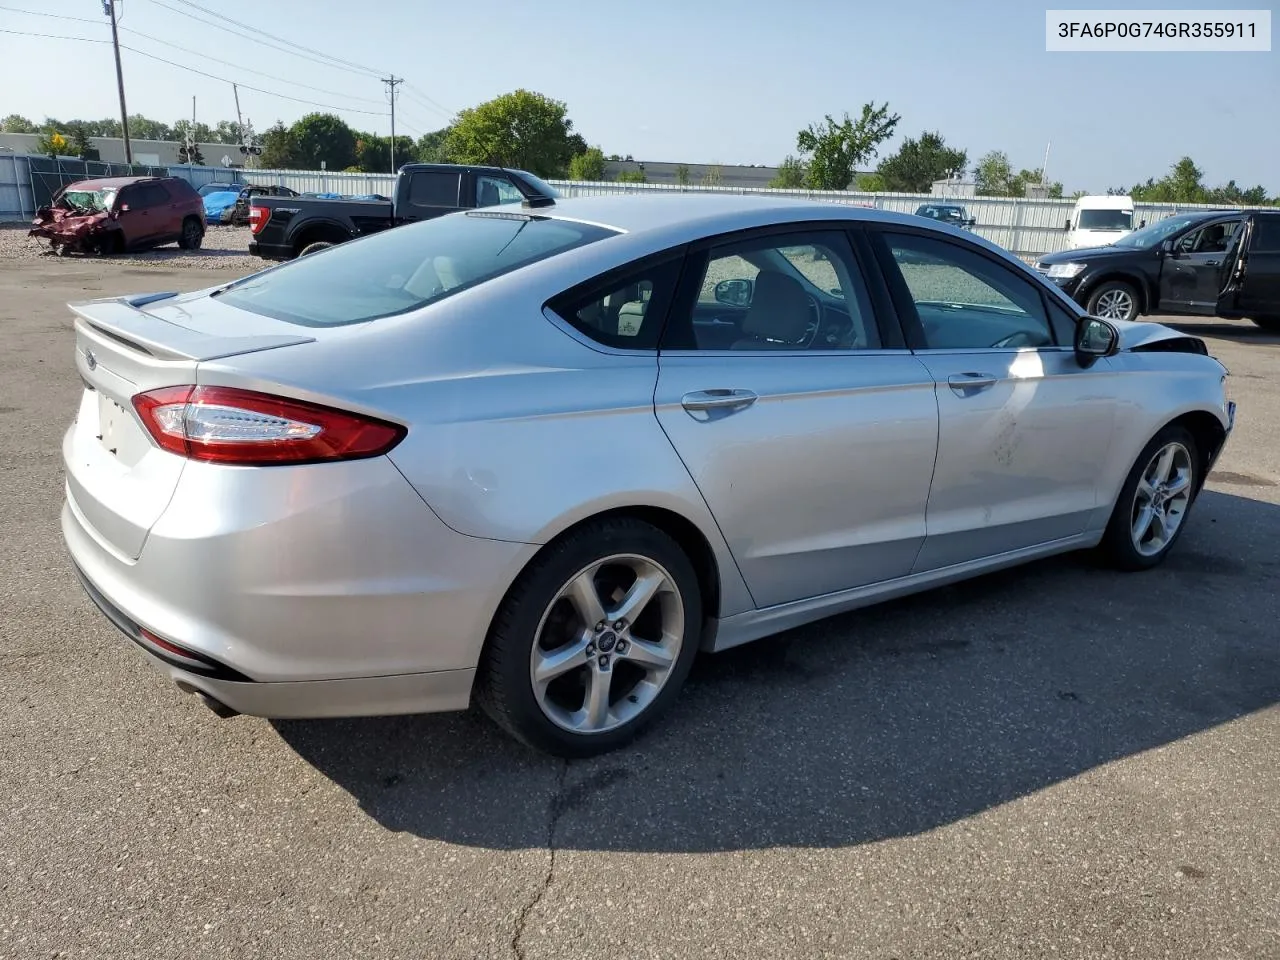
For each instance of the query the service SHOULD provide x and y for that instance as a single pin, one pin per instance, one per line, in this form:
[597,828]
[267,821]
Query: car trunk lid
[118,481]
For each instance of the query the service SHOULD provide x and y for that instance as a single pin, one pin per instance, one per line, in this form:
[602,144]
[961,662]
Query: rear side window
[180,190]
[434,189]
[624,309]
[1266,233]
[150,195]
[399,270]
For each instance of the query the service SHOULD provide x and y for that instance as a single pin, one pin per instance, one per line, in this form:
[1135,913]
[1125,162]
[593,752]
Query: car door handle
[960,382]
[717,399]
[1213,263]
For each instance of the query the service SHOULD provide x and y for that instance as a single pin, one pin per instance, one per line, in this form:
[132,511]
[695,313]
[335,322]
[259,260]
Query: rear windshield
[407,267]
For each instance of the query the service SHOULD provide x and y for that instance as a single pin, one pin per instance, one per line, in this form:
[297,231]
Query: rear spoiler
[122,320]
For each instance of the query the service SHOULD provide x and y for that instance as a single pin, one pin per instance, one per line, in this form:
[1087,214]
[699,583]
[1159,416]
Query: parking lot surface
[1052,761]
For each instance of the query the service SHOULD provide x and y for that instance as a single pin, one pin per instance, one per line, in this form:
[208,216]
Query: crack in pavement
[556,807]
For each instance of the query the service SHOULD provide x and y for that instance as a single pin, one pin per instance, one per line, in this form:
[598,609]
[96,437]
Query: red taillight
[258,217]
[245,428]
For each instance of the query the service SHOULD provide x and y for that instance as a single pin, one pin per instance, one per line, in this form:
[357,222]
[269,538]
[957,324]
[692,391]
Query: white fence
[1026,227]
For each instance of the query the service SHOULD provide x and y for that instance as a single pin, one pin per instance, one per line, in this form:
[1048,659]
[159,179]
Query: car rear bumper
[283,587]
[270,251]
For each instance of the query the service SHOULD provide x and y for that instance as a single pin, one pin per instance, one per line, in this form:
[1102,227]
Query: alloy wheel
[607,644]
[1115,305]
[1161,499]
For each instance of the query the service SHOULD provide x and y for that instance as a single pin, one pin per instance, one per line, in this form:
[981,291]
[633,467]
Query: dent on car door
[1024,431]
[811,443]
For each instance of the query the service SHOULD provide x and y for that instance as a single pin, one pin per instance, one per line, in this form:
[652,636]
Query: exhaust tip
[217,706]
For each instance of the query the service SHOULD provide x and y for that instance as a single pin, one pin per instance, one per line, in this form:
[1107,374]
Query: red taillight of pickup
[258,217]
[245,428]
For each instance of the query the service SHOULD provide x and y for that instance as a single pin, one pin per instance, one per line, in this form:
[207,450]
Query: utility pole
[1044,170]
[109,8]
[392,82]
[240,125]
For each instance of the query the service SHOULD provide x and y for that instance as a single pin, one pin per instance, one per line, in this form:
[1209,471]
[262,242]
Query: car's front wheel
[1114,300]
[594,640]
[1152,509]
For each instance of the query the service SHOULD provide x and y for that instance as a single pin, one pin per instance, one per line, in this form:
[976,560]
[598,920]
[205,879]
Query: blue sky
[700,82]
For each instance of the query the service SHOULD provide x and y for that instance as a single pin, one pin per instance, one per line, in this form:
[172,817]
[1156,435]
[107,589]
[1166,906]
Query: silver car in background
[542,455]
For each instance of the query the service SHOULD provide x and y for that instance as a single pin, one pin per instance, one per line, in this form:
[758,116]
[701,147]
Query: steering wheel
[815,324]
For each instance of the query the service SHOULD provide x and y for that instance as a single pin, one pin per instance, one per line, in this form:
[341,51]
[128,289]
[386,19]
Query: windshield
[209,188]
[91,201]
[399,270]
[1152,235]
[1105,220]
[538,182]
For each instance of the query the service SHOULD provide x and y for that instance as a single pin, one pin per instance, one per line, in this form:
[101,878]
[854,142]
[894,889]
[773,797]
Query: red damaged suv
[120,214]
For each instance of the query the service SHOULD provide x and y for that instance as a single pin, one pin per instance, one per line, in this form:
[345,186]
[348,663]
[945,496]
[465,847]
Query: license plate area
[119,431]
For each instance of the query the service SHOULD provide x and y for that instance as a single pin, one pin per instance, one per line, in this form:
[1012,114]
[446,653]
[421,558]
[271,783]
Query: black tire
[1108,292]
[314,247]
[504,687]
[192,234]
[1270,324]
[1118,547]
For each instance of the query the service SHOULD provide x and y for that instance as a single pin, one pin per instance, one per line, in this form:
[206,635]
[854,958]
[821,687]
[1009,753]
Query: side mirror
[1095,338]
[971,222]
[734,293]
[1142,224]
[1067,226]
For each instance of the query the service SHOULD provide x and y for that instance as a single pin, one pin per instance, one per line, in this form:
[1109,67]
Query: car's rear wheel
[314,247]
[594,640]
[1268,323]
[192,234]
[1152,509]
[1114,300]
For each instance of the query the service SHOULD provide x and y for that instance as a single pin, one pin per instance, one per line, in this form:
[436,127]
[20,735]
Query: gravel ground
[223,249]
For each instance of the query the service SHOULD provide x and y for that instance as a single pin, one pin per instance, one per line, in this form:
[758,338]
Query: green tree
[834,150]
[430,146]
[792,174]
[279,149]
[632,176]
[682,175]
[519,129]
[1024,178]
[713,176]
[324,137]
[143,128]
[870,183]
[197,132]
[993,174]
[78,144]
[918,163]
[588,165]
[16,123]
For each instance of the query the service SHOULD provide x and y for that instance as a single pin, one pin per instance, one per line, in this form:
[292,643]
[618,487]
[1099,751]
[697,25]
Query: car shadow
[1237,331]
[882,723]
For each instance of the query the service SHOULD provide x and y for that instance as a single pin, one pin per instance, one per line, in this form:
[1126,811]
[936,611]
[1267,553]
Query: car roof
[706,213]
[103,183]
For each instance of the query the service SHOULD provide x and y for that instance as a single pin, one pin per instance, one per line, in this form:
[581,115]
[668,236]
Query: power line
[227,63]
[52,16]
[270,46]
[299,46]
[183,66]
[422,100]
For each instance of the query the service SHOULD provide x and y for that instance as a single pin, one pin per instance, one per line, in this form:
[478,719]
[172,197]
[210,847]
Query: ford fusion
[541,456]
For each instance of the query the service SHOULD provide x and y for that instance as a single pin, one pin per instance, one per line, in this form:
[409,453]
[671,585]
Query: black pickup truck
[288,227]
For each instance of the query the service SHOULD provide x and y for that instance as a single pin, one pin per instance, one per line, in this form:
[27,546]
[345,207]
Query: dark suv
[1216,263]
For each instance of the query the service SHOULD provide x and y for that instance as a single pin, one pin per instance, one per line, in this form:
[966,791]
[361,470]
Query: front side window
[784,292]
[965,301]
[1266,233]
[493,191]
[395,271]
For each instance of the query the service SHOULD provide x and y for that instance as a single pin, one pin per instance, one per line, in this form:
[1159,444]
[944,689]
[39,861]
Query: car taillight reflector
[258,217]
[246,428]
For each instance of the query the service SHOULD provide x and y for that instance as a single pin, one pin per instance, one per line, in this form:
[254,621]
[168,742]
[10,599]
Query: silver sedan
[540,456]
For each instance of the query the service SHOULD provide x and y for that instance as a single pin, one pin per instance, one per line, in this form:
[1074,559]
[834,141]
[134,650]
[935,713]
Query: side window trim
[904,302]
[678,334]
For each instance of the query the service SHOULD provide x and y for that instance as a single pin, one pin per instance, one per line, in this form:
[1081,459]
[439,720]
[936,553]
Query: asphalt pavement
[1052,761]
